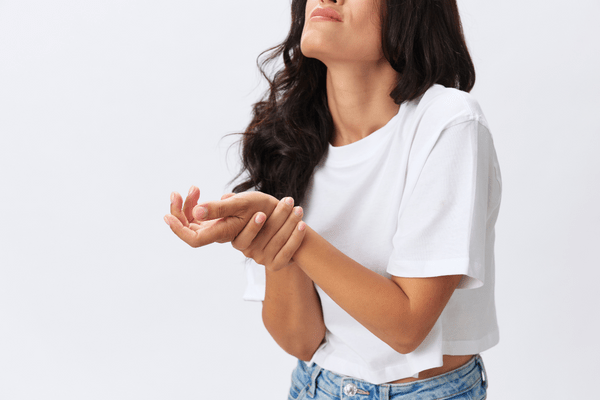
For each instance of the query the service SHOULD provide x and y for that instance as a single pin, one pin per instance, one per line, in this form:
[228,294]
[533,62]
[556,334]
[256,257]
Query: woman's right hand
[215,221]
[273,242]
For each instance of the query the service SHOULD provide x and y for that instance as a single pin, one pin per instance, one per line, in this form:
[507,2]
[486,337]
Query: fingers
[243,205]
[176,205]
[247,235]
[285,255]
[279,240]
[183,232]
[190,202]
[276,243]
[198,232]
[219,209]
[275,222]
[218,221]
[198,235]
[227,195]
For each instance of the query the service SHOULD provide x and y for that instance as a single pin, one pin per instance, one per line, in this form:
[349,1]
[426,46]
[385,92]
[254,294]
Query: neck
[359,99]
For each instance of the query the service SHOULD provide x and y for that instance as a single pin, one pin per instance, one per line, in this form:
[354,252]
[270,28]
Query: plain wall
[108,106]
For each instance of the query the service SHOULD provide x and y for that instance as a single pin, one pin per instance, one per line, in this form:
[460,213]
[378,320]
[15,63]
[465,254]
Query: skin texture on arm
[292,312]
[399,311]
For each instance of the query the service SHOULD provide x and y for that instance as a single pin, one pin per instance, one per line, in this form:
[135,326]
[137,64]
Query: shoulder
[441,107]
[445,119]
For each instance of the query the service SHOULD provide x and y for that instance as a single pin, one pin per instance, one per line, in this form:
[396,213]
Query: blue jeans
[468,382]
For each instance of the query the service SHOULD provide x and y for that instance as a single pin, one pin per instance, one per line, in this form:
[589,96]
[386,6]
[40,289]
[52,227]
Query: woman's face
[354,36]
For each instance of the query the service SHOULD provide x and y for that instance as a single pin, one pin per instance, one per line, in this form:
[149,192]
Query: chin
[309,52]
[314,46]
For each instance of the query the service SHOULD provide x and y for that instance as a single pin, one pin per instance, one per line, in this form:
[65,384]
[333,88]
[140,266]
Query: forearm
[376,302]
[292,312]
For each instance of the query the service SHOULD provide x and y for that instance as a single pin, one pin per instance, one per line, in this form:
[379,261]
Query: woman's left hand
[274,243]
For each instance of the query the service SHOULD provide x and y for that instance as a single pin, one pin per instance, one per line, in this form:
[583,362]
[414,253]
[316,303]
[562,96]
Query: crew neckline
[362,149]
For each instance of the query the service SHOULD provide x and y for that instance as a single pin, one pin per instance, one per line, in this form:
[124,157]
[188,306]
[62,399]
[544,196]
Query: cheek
[368,29]
[311,38]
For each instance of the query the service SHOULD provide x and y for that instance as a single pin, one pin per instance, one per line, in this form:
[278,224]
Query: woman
[386,289]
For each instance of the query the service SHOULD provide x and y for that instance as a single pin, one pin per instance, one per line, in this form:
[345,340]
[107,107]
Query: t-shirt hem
[433,268]
[391,373]
[411,368]
[466,347]
[254,293]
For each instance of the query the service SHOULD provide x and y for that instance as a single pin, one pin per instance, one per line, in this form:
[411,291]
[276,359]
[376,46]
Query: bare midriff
[450,363]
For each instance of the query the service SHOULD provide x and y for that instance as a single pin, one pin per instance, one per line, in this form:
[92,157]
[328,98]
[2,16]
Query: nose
[332,1]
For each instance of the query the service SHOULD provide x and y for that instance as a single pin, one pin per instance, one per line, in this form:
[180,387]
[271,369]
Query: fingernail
[298,211]
[191,190]
[167,220]
[301,226]
[200,212]
[289,201]
[260,218]
[172,197]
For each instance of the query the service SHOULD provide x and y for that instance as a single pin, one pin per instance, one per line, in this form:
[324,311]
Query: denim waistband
[452,383]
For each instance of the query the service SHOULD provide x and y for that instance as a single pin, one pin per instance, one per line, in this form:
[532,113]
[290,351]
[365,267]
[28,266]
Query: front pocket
[472,393]
[297,392]
[300,382]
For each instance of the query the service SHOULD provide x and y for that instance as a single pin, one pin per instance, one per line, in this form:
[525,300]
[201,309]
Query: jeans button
[350,389]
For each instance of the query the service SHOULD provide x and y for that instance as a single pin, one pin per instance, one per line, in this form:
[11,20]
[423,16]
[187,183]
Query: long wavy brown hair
[291,125]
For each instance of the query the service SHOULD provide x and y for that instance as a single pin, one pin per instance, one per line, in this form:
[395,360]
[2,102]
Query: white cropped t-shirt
[419,197]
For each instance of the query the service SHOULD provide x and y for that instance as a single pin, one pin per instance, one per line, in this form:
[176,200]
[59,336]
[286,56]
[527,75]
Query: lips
[327,13]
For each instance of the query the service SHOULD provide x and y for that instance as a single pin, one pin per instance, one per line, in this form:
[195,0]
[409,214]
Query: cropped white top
[417,198]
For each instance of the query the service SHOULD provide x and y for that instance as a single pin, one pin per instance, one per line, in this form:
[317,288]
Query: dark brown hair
[291,125]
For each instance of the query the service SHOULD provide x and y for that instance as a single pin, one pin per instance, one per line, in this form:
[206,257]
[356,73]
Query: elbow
[304,355]
[301,352]
[299,343]
[405,348]
[408,343]
[304,350]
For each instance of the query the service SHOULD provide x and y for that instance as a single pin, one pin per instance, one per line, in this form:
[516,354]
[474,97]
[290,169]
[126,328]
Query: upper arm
[427,298]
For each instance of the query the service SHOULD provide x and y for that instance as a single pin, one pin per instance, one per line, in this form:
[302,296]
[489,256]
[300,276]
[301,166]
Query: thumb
[229,207]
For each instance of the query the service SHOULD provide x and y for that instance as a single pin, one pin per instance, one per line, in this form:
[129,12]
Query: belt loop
[313,381]
[484,378]
[384,392]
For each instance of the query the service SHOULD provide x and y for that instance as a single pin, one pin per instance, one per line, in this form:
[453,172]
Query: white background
[108,106]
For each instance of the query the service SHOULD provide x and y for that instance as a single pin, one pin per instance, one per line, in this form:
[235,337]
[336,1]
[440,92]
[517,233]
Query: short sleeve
[449,207]
[255,281]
